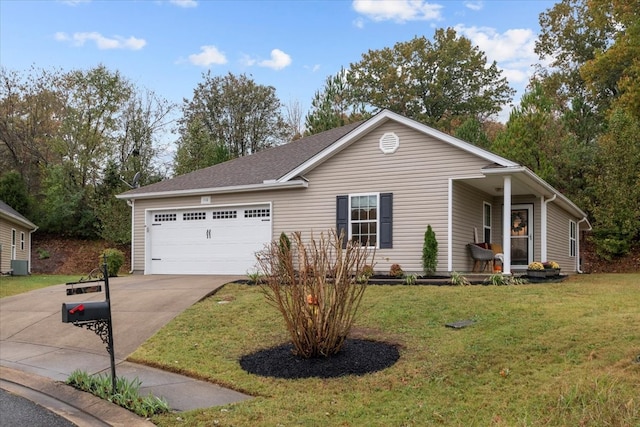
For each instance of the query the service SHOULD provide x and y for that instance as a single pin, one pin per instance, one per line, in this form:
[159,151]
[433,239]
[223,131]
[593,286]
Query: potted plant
[536,269]
[552,268]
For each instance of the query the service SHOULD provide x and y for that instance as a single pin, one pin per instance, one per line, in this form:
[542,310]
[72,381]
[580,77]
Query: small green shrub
[457,279]
[127,392]
[429,252]
[396,271]
[115,259]
[503,280]
[43,253]
[410,279]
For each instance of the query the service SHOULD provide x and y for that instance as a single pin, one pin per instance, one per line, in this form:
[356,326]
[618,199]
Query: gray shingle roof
[269,164]
[8,212]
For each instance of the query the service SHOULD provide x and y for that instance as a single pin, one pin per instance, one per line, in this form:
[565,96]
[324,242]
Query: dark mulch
[357,357]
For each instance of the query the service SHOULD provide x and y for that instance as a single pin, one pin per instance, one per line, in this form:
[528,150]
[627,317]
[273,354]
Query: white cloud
[184,3]
[278,61]
[474,5]
[102,42]
[513,50]
[398,10]
[358,23]
[74,2]
[247,60]
[208,55]
[312,68]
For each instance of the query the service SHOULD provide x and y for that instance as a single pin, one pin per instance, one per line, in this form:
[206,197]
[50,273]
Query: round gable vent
[389,143]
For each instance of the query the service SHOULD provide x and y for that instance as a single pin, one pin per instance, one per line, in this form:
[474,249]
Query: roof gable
[383,117]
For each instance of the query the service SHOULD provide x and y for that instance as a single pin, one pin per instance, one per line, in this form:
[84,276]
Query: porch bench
[481,257]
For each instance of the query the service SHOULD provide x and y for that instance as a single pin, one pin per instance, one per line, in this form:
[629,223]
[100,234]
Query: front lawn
[553,354]
[13,285]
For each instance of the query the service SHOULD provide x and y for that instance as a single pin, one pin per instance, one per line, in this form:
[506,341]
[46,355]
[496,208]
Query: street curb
[81,408]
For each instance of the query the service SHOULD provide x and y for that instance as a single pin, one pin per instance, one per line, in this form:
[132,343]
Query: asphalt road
[17,411]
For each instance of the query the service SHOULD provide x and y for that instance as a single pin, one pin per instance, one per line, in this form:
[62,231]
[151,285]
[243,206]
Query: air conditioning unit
[20,267]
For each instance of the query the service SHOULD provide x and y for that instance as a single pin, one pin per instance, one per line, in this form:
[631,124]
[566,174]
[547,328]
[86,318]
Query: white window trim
[485,226]
[22,241]
[573,237]
[377,246]
[14,238]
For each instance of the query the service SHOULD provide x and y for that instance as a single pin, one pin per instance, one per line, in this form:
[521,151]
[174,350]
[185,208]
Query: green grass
[13,285]
[550,355]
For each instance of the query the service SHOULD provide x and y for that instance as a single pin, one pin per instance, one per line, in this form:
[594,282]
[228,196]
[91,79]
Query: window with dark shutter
[364,215]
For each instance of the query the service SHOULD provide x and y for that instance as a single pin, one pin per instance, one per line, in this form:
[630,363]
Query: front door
[521,235]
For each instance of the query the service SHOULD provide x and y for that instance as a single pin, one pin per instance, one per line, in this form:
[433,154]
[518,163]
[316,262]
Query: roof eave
[541,185]
[298,183]
[21,221]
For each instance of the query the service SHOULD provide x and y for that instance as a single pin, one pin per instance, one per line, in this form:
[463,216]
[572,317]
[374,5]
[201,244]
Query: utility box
[20,267]
[85,311]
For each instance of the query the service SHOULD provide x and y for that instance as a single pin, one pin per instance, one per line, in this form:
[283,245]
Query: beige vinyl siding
[417,174]
[558,248]
[5,241]
[468,211]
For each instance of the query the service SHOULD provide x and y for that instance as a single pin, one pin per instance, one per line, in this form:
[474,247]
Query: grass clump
[126,396]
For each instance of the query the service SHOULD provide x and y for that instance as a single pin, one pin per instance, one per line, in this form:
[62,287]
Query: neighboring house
[15,241]
[382,181]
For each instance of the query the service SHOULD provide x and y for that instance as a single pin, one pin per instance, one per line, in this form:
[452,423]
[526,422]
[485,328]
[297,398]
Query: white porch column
[506,225]
[543,230]
[544,227]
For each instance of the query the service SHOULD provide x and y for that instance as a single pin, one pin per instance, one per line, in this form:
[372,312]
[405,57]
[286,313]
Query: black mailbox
[85,311]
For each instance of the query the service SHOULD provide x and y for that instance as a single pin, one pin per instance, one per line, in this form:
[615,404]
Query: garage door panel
[211,241]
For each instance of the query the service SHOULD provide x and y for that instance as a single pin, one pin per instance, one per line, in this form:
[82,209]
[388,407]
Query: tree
[31,109]
[334,106]
[431,82]
[67,133]
[234,111]
[196,150]
[616,186]
[532,135]
[13,191]
[471,130]
[294,120]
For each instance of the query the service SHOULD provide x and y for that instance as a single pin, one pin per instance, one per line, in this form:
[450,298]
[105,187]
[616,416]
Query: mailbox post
[95,316]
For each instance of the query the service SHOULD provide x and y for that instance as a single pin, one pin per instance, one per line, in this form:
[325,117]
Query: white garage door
[207,241]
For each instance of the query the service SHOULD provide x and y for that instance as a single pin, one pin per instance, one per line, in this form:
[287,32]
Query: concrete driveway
[34,339]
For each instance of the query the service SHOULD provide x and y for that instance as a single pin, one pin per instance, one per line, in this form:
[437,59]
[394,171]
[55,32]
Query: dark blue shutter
[342,218]
[386,220]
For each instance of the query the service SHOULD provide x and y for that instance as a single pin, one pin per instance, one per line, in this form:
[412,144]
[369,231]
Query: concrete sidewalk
[34,340]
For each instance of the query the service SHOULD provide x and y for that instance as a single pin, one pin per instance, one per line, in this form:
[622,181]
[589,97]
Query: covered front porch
[516,210]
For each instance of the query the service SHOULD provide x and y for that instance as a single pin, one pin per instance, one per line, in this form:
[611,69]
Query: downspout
[543,227]
[578,245]
[30,240]
[131,204]
[450,227]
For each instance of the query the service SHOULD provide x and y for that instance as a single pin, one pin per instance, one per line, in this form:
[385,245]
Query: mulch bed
[357,357]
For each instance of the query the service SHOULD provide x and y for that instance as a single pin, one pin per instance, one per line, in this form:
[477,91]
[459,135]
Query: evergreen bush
[429,252]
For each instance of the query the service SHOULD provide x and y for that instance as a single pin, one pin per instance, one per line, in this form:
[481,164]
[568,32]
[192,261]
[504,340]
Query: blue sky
[166,45]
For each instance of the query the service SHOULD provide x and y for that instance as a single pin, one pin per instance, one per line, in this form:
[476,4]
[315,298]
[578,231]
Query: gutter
[298,183]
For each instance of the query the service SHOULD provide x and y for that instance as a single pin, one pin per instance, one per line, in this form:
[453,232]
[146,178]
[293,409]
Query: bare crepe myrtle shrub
[313,285]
